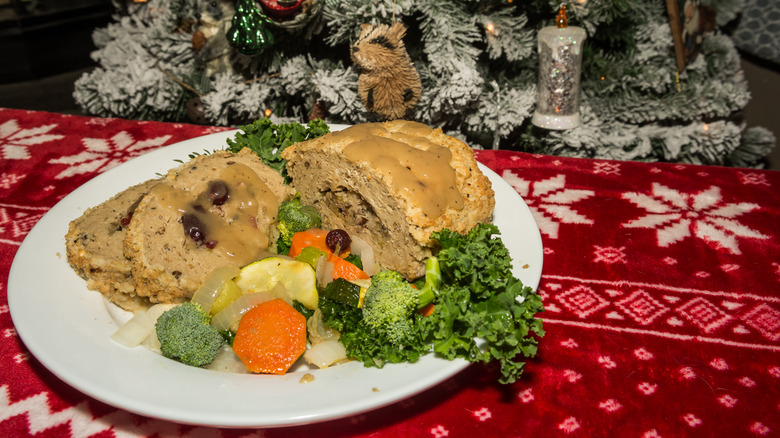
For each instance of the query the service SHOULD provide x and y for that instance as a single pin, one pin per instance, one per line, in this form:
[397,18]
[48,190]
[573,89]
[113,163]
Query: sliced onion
[228,318]
[324,271]
[366,253]
[135,330]
[325,354]
[151,342]
[362,282]
[318,331]
[227,362]
[209,290]
[156,310]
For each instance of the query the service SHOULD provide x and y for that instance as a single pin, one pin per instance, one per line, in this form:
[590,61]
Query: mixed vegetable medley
[324,298]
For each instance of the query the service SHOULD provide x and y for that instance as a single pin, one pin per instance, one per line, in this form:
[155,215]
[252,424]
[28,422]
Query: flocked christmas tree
[229,62]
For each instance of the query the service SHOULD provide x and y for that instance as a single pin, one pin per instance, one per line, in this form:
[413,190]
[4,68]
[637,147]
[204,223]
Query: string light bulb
[268,112]
[491,28]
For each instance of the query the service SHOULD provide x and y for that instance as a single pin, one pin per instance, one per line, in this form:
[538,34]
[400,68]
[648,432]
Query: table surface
[661,288]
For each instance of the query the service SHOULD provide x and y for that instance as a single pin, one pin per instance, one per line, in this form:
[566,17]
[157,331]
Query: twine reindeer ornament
[388,83]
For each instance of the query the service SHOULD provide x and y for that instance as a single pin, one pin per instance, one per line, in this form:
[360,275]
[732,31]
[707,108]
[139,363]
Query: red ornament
[281,9]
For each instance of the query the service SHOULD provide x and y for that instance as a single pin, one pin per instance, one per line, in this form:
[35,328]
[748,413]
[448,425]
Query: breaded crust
[94,245]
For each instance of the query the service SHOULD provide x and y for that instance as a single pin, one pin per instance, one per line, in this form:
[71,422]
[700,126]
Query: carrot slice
[312,237]
[346,270]
[270,337]
[316,237]
[427,310]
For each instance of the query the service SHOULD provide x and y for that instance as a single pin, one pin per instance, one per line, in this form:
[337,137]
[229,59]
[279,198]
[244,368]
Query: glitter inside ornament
[248,32]
[560,65]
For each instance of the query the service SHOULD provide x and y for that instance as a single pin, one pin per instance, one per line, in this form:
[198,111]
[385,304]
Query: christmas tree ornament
[295,15]
[560,66]
[388,83]
[248,32]
[212,49]
[281,9]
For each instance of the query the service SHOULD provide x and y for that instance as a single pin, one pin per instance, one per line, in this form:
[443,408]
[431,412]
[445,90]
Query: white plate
[68,327]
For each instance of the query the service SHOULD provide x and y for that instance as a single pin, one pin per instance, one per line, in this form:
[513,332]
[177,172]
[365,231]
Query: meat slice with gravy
[214,210]
[392,184]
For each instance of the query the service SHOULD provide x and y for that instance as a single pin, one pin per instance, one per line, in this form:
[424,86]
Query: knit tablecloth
[661,289]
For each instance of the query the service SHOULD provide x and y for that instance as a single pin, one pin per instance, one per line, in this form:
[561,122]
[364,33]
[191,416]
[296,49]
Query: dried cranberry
[218,192]
[338,241]
[193,227]
[125,221]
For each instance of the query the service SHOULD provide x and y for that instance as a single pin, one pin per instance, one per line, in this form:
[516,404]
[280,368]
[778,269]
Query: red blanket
[661,287]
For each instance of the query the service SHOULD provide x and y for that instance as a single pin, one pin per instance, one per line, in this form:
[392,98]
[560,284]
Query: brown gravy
[414,164]
[239,227]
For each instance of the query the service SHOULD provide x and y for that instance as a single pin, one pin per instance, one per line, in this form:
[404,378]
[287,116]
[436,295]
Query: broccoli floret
[186,335]
[390,303]
[292,218]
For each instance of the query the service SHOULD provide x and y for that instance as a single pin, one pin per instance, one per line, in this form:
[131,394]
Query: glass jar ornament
[560,66]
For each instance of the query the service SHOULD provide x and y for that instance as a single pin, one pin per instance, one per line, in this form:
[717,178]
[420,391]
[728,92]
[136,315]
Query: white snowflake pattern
[569,425]
[572,376]
[569,343]
[692,420]
[647,388]
[609,254]
[439,431]
[21,357]
[607,362]
[16,222]
[727,400]
[15,142]
[8,180]
[747,382]
[758,179]
[606,167]
[719,364]
[550,201]
[102,154]
[526,396]
[759,428]
[643,354]
[687,373]
[677,215]
[610,405]
[483,414]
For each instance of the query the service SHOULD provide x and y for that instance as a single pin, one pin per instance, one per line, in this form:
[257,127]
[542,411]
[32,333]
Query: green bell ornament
[248,32]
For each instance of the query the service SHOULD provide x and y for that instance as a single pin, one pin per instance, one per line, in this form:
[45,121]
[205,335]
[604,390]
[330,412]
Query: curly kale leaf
[483,312]
[268,140]
[478,261]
